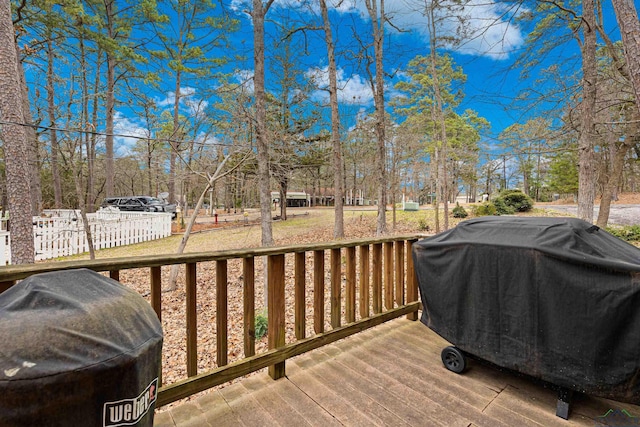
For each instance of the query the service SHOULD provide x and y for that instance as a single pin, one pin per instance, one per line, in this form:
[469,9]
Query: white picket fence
[64,234]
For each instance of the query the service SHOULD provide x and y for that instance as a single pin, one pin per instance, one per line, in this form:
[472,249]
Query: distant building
[295,199]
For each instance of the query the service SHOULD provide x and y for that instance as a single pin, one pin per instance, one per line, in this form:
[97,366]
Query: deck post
[276,309]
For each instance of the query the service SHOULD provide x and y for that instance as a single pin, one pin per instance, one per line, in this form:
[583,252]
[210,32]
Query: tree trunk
[175,136]
[173,276]
[109,103]
[377,23]
[612,182]
[258,14]
[32,142]
[440,120]
[338,226]
[627,17]
[53,134]
[91,150]
[435,201]
[15,143]
[85,195]
[586,155]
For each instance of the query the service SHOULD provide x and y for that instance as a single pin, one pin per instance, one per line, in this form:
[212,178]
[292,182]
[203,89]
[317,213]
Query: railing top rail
[18,272]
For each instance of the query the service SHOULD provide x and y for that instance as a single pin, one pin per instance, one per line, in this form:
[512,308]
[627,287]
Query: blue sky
[487,56]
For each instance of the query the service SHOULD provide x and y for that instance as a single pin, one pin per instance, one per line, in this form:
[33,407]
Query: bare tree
[211,180]
[586,157]
[378,20]
[338,228]
[258,13]
[15,143]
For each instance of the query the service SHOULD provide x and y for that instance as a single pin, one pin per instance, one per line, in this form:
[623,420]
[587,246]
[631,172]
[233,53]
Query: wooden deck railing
[377,284]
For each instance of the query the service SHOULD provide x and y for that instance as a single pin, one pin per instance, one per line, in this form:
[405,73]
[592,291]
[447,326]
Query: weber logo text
[130,411]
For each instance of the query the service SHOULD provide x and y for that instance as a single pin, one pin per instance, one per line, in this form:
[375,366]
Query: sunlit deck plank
[387,375]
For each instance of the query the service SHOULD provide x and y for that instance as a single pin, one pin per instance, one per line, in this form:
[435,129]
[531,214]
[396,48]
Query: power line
[116,135]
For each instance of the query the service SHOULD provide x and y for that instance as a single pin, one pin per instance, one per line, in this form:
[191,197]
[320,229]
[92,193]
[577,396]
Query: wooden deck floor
[388,375]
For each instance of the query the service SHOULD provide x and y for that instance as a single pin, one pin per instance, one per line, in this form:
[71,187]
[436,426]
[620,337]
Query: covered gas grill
[78,349]
[556,299]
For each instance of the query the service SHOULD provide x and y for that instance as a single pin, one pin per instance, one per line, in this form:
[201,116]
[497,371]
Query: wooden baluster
[364,281]
[155,274]
[114,274]
[388,275]
[156,290]
[350,297]
[318,291]
[275,304]
[248,274]
[336,288]
[399,263]
[192,323]
[377,278]
[6,285]
[300,294]
[221,313]
[412,281]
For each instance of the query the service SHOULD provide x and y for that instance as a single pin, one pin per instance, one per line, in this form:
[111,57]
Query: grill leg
[564,402]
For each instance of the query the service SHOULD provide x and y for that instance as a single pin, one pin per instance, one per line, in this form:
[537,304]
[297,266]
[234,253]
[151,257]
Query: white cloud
[352,89]
[245,78]
[194,105]
[125,126]
[488,28]
[170,99]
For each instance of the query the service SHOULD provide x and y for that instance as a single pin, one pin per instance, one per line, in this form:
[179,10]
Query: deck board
[387,375]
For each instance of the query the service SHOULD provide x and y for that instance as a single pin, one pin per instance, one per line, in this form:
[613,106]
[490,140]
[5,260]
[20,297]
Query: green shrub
[502,208]
[261,325]
[459,211]
[423,225]
[485,209]
[630,233]
[512,201]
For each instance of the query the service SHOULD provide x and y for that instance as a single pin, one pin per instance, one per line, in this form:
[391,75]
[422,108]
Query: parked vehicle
[140,204]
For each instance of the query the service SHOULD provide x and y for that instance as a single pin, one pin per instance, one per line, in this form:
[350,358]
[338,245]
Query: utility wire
[117,135]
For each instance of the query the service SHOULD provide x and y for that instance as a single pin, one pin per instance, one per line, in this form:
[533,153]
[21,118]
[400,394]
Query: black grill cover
[554,298]
[77,349]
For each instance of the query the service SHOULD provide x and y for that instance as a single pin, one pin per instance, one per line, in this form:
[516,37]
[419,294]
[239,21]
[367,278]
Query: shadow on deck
[388,375]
